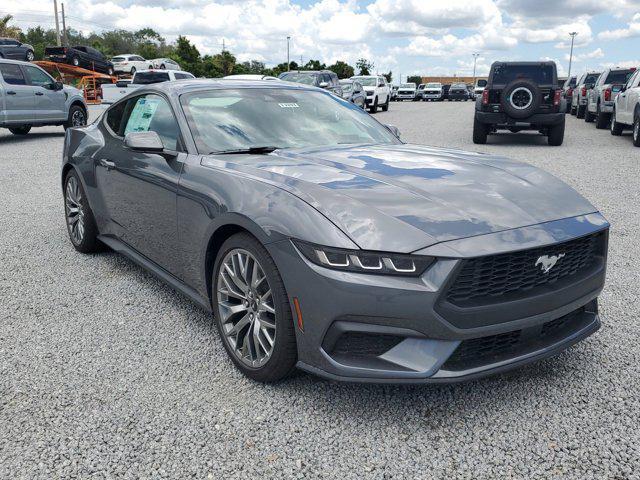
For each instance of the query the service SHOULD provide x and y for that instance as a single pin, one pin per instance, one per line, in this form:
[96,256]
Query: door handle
[39,94]
[11,92]
[108,164]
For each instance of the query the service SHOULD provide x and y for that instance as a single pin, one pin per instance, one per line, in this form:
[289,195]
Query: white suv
[128,63]
[377,91]
[626,109]
[165,64]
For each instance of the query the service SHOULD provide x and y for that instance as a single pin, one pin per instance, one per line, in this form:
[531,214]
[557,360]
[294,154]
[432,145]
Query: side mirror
[57,86]
[393,129]
[144,142]
[323,84]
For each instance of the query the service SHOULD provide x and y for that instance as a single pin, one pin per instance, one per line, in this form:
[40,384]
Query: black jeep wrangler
[521,96]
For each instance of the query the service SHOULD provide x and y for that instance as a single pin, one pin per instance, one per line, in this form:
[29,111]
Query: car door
[625,100]
[383,93]
[13,50]
[50,104]
[139,188]
[19,98]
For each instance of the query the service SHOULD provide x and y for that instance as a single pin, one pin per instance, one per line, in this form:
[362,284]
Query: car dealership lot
[107,372]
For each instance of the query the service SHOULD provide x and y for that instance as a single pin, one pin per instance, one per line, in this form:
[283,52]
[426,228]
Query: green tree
[38,38]
[364,66]
[417,79]
[314,65]
[188,56]
[388,76]
[225,61]
[7,30]
[342,69]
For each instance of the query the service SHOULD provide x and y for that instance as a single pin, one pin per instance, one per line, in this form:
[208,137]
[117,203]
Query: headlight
[361,261]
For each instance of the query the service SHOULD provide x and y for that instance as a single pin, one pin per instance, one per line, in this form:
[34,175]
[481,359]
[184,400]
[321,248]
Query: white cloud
[580,57]
[632,30]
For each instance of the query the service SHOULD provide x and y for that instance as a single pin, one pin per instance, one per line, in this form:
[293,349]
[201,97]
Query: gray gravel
[105,372]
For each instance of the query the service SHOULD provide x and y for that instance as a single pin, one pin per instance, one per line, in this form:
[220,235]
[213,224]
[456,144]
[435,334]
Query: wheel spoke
[240,324]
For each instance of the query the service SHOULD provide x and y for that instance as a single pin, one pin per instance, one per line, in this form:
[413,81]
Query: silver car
[30,97]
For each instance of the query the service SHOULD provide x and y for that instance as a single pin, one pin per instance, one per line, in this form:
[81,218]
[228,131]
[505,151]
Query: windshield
[243,118]
[305,78]
[459,85]
[541,74]
[618,76]
[346,87]
[481,83]
[367,81]
[408,85]
[434,85]
[145,78]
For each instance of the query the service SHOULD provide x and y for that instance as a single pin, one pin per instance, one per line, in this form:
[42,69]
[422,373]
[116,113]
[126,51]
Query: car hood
[406,197]
[69,90]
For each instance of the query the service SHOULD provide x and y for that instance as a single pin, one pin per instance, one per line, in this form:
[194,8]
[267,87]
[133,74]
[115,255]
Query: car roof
[17,62]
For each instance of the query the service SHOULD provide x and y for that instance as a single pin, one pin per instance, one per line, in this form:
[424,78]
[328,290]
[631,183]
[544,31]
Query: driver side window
[37,77]
[152,113]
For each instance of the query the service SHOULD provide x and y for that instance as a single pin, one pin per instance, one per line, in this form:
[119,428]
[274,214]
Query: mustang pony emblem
[547,263]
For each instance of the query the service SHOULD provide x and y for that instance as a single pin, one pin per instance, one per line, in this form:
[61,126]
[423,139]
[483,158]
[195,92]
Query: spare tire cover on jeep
[520,98]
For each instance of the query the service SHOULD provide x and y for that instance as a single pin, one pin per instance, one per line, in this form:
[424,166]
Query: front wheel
[23,130]
[252,310]
[615,127]
[636,131]
[374,106]
[77,117]
[75,61]
[133,71]
[385,106]
[556,134]
[110,71]
[81,224]
[480,132]
[588,116]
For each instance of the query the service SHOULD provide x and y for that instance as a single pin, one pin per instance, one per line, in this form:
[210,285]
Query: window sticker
[142,114]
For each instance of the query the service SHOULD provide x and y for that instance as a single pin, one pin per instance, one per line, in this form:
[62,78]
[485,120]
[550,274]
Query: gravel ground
[105,372]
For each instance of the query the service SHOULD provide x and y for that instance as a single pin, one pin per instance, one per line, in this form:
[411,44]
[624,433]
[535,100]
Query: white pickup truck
[626,109]
[112,92]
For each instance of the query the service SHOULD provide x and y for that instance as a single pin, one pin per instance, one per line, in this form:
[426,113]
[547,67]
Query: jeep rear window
[618,76]
[542,74]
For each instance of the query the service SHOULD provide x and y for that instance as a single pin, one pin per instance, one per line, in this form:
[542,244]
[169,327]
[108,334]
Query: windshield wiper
[251,150]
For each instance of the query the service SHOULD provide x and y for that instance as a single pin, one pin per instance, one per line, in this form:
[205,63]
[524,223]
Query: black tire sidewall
[21,130]
[505,98]
[636,128]
[284,355]
[90,241]
[69,123]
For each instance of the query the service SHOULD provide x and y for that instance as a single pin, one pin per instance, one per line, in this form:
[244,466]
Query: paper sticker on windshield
[288,105]
[141,115]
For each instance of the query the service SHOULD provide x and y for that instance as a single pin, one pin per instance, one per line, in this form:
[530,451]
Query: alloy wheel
[636,130]
[30,56]
[246,307]
[74,210]
[78,119]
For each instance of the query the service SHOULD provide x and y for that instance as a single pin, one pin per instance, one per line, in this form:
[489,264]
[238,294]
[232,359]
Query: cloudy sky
[404,36]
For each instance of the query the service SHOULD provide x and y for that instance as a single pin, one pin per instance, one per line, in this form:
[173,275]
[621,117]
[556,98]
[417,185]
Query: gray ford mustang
[319,240]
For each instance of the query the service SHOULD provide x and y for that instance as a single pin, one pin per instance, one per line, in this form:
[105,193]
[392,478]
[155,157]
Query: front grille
[494,348]
[359,344]
[511,276]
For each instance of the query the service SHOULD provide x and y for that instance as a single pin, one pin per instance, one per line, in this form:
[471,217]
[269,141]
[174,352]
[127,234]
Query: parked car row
[115,91]
[610,99]
[376,90]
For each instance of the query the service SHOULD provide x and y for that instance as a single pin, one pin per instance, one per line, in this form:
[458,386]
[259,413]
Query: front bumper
[406,96]
[370,328]
[432,96]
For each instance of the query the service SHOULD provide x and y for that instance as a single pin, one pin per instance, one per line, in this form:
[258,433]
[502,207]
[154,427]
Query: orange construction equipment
[86,80]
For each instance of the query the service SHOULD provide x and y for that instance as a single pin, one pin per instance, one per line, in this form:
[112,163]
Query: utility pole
[55,10]
[288,61]
[475,59]
[223,45]
[65,40]
[573,36]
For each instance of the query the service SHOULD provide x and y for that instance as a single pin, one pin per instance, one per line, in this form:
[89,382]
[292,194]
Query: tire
[133,71]
[556,134]
[374,106]
[636,131]
[110,71]
[75,61]
[83,232]
[588,116]
[480,131]
[572,110]
[580,110]
[280,361]
[615,127]
[30,56]
[520,98]
[163,67]
[385,106]
[22,130]
[602,119]
[77,117]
